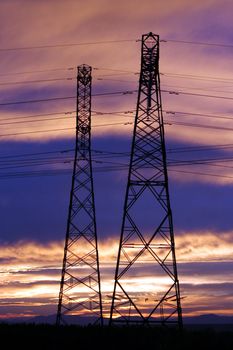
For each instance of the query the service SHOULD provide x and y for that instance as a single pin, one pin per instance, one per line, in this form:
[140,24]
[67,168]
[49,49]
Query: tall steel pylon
[147,250]
[80,292]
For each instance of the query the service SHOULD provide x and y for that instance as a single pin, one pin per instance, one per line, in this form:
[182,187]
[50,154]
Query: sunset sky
[42,43]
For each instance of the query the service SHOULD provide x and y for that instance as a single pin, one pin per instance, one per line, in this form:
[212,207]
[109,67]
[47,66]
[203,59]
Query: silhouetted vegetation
[31,336]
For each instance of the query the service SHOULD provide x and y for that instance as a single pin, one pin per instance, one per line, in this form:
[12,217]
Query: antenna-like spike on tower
[147,251]
[80,293]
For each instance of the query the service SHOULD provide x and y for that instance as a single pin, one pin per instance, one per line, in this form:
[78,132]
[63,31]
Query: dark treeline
[31,336]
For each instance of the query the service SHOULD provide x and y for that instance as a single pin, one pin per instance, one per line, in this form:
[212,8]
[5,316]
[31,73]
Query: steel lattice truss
[147,240]
[80,283]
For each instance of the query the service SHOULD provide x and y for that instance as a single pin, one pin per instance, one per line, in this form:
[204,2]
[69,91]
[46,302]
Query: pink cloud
[30,272]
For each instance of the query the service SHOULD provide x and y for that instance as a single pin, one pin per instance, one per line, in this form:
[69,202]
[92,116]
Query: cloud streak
[30,274]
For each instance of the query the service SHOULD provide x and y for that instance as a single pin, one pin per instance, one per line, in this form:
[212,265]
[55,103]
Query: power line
[41,173]
[170,75]
[121,113]
[35,121]
[200,148]
[37,115]
[35,81]
[63,151]
[57,118]
[36,154]
[195,94]
[201,173]
[63,129]
[118,166]
[199,161]
[129,111]
[196,43]
[199,115]
[46,70]
[52,46]
[39,71]
[127,92]
[115,70]
[31,162]
[168,122]
[185,149]
[36,132]
[197,77]
[38,81]
[118,80]
[17,120]
[172,86]
[200,126]
[197,88]
[50,161]
[122,123]
[121,71]
[66,98]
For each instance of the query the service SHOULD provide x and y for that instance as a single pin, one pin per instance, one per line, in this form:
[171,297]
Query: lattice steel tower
[80,292]
[147,250]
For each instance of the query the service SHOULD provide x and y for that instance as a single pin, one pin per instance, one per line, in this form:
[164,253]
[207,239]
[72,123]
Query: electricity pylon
[146,289]
[80,292]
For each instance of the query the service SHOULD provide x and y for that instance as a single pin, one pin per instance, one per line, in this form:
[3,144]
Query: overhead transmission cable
[96,169]
[32,162]
[196,43]
[125,113]
[126,92]
[52,46]
[203,148]
[102,42]
[167,122]
[36,81]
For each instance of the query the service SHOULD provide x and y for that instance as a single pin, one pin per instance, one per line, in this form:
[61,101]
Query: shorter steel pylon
[80,293]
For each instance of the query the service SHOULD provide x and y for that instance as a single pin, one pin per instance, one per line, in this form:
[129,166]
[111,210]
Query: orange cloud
[30,273]
[204,246]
